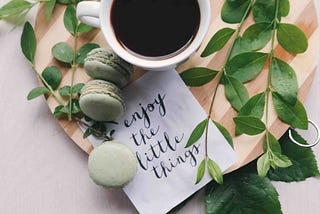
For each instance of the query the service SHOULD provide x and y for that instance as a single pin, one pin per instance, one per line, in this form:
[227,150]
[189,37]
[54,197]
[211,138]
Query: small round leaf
[84,50]
[292,38]
[53,76]
[63,52]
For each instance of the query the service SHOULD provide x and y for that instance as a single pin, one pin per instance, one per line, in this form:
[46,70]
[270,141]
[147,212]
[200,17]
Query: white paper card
[161,114]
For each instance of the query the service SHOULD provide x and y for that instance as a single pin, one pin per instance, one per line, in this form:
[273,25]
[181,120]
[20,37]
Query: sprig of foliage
[16,10]
[243,63]
[73,57]
[51,76]
[29,46]
[235,90]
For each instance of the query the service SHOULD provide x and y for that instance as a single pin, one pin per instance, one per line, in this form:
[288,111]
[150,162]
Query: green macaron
[104,64]
[112,164]
[101,101]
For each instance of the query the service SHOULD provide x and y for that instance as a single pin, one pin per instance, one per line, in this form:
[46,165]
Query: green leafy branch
[16,10]
[282,86]
[51,76]
[64,53]
[242,64]
[201,76]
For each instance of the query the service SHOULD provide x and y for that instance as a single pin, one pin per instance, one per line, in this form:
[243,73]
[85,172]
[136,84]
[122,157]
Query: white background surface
[42,171]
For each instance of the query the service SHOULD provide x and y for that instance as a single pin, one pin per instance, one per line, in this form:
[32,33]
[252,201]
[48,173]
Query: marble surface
[43,171]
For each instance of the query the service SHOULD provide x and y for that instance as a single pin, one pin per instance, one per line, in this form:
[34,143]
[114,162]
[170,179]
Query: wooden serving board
[302,13]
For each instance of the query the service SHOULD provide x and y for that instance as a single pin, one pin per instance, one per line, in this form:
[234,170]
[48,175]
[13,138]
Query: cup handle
[88,13]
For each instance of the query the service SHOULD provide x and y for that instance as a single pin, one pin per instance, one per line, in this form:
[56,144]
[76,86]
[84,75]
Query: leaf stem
[271,56]
[223,71]
[47,85]
[74,68]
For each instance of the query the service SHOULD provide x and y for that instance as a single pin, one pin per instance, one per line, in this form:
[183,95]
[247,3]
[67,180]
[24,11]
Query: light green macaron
[104,64]
[101,101]
[112,164]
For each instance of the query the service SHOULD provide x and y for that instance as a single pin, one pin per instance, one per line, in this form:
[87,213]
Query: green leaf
[77,88]
[280,160]
[233,12]
[28,42]
[263,165]
[87,133]
[83,28]
[65,91]
[254,107]
[99,129]
[296,115]
[242,193]
[111,133]
[240,46]
[197,133]
[257,35]
[274,145]
[235,92]
[84,50]
[284,80]
[218,41]
[304,163]
[65,1]
[198,76]
[50,4]
[249,125]
[263,11]
[224,132]
[215,171]
[292,38]
[284,7]
[18,19]
[36,92]
[53,76]
[63,52]
[70,19]
[75,107]
[201,170]
[14,8]
[246,66]
[59,111]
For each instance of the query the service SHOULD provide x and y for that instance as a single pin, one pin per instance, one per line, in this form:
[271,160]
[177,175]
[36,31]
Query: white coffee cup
[97,14]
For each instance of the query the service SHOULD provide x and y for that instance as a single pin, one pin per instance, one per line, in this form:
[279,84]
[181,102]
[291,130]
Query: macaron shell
[110,72]
[112,164]
[101,107]
[105,64]
[108,54]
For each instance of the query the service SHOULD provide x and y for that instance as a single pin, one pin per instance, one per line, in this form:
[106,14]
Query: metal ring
[307,145]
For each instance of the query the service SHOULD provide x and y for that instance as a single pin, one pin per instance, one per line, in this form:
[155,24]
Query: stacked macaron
[106,65]
[111,164]
[101,98]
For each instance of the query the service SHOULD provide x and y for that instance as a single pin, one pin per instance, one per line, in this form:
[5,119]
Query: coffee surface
[155,28]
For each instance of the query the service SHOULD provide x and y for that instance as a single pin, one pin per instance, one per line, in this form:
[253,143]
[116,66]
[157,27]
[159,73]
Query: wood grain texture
[303,13]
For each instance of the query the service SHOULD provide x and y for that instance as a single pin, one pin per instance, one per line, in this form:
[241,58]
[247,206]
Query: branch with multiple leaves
[243,64]
[16,10]
[70,57]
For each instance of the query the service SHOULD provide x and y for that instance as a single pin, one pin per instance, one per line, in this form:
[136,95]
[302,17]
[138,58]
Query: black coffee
[155,28]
